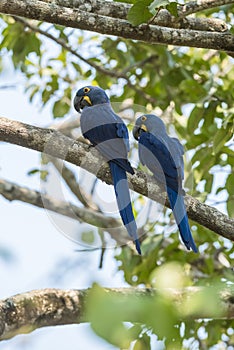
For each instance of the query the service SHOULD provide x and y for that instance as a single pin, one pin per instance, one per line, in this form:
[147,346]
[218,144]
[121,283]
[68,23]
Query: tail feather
[124,201]
[177,205]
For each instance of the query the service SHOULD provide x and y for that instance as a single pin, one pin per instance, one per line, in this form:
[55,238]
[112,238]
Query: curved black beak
[77,102]
[80,102]
[138,129]
[136,132]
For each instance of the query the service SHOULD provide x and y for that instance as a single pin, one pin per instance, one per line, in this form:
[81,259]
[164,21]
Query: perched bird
[163,155]
[108,133]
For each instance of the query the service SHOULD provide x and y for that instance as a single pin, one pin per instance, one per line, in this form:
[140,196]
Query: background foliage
[193,90]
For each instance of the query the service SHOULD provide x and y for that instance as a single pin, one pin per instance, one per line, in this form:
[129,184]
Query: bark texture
[26,312]
[154,34]
[54,143]
[163,18]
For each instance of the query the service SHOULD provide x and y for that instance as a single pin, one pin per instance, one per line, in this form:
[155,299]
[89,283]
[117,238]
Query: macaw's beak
[137,130]
[81,101]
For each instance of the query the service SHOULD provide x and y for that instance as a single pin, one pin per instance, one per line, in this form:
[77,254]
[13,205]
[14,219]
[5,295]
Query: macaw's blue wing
[124,201]
[156,156]
[112,146]
[107,132]
[177,205]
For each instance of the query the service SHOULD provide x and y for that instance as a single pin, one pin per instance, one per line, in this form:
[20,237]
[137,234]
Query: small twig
[12,191]
[100,69]
[201,5]
[4,87]
[70,179]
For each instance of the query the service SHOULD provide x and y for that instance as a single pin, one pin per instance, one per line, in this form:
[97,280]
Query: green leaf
[60,108]
[157,4]
[88,237]
[142,343]
[194,119]
[43,173]
[139,12]
[230,207]
[33,171]
[172,8]
[116,308]
[229,183]
[221,138]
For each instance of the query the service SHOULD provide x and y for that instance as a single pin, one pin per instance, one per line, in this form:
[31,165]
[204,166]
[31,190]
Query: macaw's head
[89,96]
[148,123]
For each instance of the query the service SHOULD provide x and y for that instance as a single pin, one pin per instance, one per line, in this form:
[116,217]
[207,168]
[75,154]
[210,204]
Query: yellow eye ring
[86,89]
[143,118]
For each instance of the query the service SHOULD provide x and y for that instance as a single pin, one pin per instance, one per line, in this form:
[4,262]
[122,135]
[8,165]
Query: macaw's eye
[143,118]
[86,89]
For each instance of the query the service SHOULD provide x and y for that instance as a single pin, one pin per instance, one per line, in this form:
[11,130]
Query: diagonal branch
[23,313]
[201,5]
[53,143]
[70,179]
[152,34]
[12,191]
[112,73]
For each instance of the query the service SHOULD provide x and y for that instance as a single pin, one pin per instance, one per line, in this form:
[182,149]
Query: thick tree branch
[163,18]
[12,191]
[153,34]
[26,312]
[57,145]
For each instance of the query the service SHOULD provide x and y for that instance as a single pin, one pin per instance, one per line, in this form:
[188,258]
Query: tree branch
[12,191]
[112,73]
[53,143]
[201,5]
[70,179]
[113,26]
[26,312]
[163,18]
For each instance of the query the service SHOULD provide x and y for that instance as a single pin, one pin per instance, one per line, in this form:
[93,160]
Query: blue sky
[36,255]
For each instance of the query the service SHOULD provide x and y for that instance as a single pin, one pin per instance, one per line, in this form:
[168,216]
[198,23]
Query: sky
[33,252]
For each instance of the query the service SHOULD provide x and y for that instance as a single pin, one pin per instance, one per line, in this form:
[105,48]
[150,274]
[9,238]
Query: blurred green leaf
[139,12]
[61,107]
[172,8]
[221,137]
[230,206]
[88,236]
[157,4]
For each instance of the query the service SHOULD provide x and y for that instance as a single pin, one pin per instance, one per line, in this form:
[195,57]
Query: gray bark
[26,312]
[54,143]
[163,18]
[152,34]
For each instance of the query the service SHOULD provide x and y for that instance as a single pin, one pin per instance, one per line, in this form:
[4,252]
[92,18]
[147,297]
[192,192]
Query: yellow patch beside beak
[86,98]
[143,127]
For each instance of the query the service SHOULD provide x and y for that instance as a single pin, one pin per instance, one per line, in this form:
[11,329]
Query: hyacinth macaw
[108,133]
[163,155]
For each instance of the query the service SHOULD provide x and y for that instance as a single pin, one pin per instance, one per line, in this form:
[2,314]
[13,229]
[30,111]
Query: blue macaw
[163,155]
[108,133]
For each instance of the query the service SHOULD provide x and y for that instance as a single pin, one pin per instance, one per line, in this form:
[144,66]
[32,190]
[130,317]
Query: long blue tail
[177,205]
[124,201]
